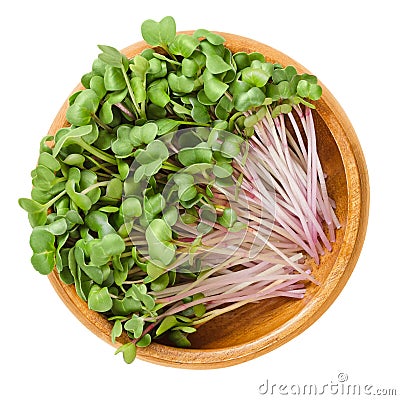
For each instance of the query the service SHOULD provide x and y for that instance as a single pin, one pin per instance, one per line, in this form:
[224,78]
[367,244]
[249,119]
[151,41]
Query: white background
[352,46]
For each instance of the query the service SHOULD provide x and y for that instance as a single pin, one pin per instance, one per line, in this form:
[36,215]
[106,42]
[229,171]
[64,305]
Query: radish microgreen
[187,184]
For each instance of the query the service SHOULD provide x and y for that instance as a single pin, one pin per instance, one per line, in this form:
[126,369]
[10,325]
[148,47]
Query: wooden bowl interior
[260,327]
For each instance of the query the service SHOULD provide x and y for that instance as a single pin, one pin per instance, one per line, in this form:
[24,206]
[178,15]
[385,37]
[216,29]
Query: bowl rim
[356,173]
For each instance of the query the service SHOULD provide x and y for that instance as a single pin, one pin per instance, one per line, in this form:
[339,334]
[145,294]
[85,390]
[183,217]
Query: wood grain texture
[258,328]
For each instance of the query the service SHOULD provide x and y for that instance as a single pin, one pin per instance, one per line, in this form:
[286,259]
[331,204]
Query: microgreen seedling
[187,184]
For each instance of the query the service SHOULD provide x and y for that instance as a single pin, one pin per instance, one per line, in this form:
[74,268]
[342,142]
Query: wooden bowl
[258,328]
